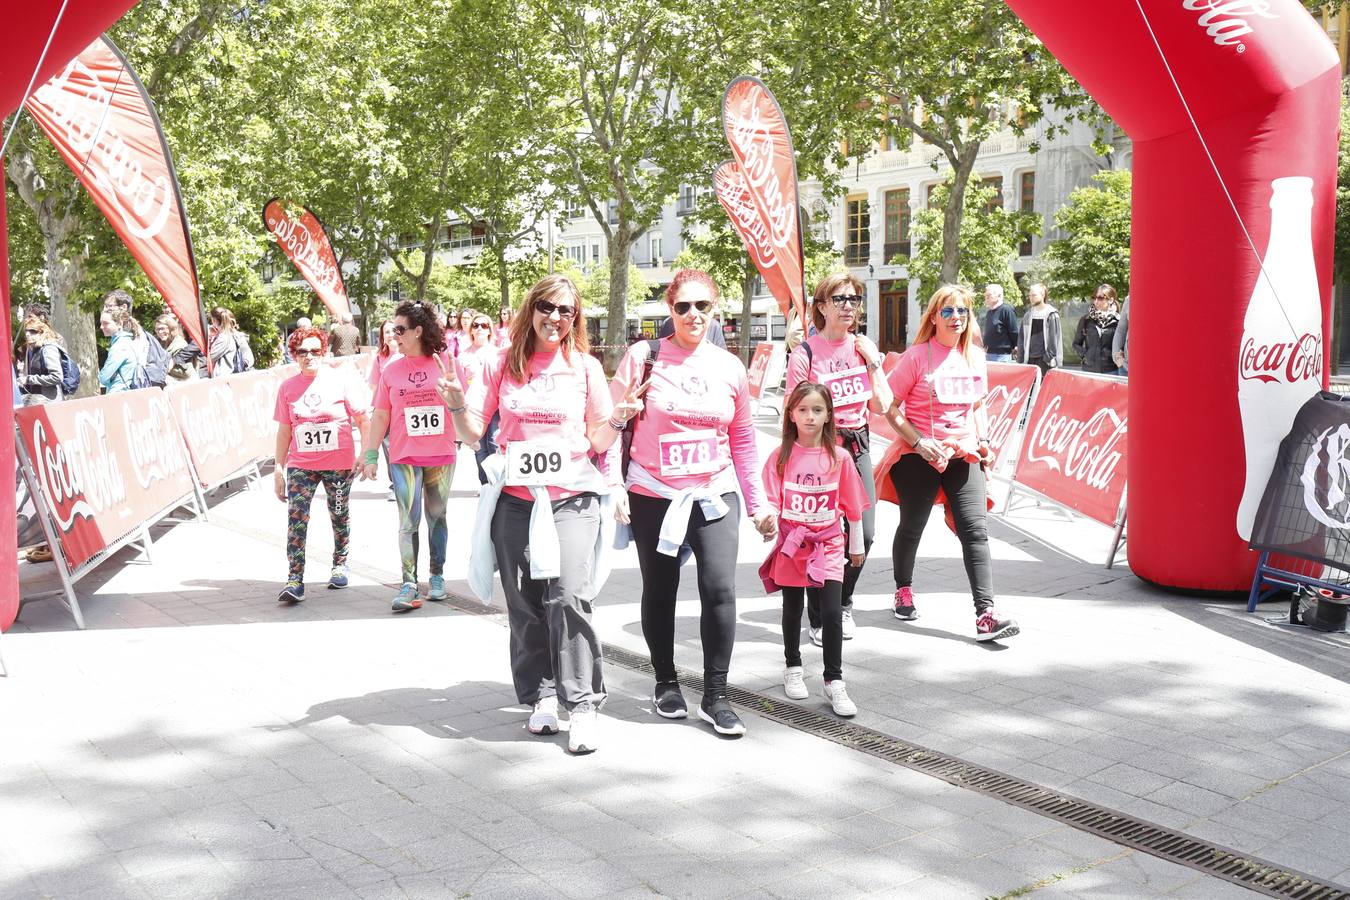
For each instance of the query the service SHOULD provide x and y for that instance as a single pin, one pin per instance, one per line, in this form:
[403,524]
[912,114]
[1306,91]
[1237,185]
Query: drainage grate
[1165,843]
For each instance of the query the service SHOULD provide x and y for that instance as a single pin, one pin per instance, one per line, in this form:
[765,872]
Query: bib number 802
[809,504]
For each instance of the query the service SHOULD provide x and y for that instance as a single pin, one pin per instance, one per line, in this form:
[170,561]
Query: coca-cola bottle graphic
[1280,359]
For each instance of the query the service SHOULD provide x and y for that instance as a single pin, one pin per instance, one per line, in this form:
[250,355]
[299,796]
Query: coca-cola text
[1223,20]
[1286,361]
[1084,450]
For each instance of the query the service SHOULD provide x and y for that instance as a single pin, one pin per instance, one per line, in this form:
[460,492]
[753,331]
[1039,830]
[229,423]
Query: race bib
[689,452]
[957,388]
[317,437]
[538,463]
[811,504]
[849,387]
[424,421]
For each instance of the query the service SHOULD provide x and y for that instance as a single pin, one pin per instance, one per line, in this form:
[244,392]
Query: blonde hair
[48,335]
[941,297]
[827,289]
[556,289]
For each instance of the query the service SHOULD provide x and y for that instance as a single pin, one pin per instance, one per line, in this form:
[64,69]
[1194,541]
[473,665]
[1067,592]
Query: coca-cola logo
[1226,21]
[752,140]
[77,105]
[212,430]
[735,198]
[1325,493]
[255,403]
[1287,361]
[305,250]
[1087,451]
[81,477]
[1003,405]
[156,448]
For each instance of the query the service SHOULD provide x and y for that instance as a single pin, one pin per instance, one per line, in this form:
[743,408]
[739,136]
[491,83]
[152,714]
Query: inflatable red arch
[1233,109]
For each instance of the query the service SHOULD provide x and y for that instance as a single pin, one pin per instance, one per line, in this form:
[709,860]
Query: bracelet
[456,410]
[616,424]
[371,457]
[982,441]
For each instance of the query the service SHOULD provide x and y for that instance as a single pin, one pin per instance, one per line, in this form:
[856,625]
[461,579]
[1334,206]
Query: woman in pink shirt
[693,443]
[481,351]
[388,352]
[815,487]
[421,446]
[940,385]
[848,365]
[556,413]
[315,412]
[502,334]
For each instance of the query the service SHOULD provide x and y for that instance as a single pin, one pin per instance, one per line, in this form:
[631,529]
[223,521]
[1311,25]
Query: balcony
[857,254]
[892,250]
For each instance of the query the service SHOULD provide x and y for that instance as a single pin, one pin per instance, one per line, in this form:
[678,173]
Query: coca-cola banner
[759,367]
[105,465]
[1010,387]
[227,422]
[305,242]
[1232,108]
[100,119]
[1075,447]
[762,148]
[734,194]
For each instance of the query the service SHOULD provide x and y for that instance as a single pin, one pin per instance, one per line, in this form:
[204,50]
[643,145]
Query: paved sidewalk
[335,749]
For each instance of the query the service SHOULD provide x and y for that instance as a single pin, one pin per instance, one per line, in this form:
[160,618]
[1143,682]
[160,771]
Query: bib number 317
[536,463]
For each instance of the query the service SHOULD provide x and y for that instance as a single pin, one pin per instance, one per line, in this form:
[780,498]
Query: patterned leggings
[414,488]
[300,487]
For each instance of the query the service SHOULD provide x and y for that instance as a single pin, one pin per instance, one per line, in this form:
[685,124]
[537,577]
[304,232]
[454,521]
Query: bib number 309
[424,421]
[536,463]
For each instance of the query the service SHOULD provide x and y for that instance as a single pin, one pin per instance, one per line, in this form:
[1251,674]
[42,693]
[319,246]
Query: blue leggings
[416,487]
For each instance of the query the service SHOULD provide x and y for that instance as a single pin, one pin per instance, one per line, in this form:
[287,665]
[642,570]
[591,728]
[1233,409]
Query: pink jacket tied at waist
[792,541]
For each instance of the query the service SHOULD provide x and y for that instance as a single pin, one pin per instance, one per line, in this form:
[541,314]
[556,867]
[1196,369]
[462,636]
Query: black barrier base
[1270,580]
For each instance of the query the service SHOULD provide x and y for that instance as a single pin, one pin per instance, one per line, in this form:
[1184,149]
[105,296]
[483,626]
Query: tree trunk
[747,301]
[65,271]
[503,279]
[616,333]
[952,215]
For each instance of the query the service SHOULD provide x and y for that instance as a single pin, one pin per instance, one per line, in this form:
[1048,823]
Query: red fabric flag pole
[305,242]
[762,147]
[95,111]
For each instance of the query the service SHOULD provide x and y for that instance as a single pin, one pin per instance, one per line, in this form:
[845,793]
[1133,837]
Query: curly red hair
[301,334]
[687,276]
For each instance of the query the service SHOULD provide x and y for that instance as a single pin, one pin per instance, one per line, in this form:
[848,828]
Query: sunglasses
[682,307]
[842,300]
[483,325]
[544,308]
[401,330]
[305,351]
[948,311]
[32,331]
[1101,297]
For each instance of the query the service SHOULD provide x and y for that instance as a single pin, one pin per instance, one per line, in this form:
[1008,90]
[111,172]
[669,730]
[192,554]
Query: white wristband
[856,543]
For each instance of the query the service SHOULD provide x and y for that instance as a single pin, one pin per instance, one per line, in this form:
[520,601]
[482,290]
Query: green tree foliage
[986,247]
[1096,245]
[1342,252]
[595,291]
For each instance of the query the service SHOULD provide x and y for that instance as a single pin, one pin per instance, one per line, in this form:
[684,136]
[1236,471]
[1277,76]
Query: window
[577,253]
[656,250]
[574,208]
[928,197]
[395,295]
[595,252]
[269,269]
[462,235]
[613,212]
[897,224]
[857,231]
[444,237]
[996,201]
[1028,205]
[688,199]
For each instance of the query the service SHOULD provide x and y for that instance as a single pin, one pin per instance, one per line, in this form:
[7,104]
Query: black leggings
[869,524]
[715,545]
[917,483]
[825,598]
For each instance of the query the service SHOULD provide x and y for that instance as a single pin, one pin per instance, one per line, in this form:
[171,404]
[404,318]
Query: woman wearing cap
[693,444]
[848,365]
[421,446]
[541,511]
[315,412]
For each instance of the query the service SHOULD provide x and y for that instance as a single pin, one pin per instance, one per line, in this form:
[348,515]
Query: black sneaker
[669,701]
[990,626]
[904,604]
[718,713]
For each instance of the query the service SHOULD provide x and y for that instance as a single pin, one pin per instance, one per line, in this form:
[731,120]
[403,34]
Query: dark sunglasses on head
[842,300]
[948,311]
[544,308]
[682,307]
[483,325]
[305,351]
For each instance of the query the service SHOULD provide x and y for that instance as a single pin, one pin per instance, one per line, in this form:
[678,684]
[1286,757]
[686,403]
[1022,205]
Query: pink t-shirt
[548,414]
[816,494]
[841,369]
[381,363]
[319,408]
[697,418]
[931,376]
[472,362]
[420,430]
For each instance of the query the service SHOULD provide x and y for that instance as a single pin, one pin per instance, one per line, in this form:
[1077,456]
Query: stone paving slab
[1186,712]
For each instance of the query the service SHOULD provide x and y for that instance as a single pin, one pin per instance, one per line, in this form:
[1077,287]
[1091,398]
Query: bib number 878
[688,454]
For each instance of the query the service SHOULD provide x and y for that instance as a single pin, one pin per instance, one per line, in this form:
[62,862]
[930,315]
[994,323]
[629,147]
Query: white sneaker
[848,623]
[583,733]
[793,684]
[544,718]
[815,635]
[837,694]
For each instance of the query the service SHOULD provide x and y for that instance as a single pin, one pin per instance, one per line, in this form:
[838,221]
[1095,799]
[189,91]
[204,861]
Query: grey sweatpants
[554,650]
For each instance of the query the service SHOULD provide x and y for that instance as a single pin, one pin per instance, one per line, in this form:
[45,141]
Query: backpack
[157,363]
[653,348]
[70,373]
[240,363]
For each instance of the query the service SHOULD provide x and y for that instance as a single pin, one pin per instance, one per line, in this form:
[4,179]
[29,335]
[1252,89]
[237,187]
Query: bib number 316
[424,421]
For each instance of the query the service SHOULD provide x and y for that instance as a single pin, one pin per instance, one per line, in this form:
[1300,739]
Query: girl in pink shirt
[848,365]
[315,412]
[410,411]
[816,489]
[693,443]
[556,414]
[939,386]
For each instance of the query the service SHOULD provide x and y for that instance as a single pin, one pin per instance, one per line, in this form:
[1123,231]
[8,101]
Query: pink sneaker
[989,627]
[904,605]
